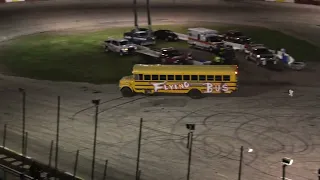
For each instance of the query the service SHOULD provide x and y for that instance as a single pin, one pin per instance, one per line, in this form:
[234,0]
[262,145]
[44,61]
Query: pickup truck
[236,39]
[261,55]
[121,46]
[143,38]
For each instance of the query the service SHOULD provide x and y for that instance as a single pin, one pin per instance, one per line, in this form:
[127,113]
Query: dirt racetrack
[262,116]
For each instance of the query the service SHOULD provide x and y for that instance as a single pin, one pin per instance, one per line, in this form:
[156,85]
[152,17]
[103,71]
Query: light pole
[285,162]
[241,161]
[191,128]
[96,104]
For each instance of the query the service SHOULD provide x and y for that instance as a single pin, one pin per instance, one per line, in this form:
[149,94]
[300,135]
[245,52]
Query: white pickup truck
[121,46]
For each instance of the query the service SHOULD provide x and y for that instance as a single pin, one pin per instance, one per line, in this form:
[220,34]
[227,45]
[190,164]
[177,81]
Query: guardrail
[19,163]
[14,173]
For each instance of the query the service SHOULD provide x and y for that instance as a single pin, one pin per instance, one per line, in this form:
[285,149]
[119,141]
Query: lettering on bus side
[164,86]
[216,87]
[210,87]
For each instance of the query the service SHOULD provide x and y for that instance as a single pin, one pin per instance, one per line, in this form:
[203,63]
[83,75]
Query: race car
[172,56]
[121,46]
[165,35]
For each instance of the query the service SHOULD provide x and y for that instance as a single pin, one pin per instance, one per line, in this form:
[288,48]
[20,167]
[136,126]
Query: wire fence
[85,157]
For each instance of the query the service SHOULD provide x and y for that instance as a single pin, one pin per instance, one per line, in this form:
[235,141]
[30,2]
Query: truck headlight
[125,49]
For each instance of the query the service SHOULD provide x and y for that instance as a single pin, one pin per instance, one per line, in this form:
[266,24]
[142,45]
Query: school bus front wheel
[127,92]
[195,94]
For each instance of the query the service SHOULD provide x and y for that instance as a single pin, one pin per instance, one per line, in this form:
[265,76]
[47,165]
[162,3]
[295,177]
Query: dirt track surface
[262,116]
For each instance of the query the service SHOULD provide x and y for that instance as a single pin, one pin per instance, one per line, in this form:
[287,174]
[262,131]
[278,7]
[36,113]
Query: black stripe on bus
[190,86]
[191,81]
[170,89]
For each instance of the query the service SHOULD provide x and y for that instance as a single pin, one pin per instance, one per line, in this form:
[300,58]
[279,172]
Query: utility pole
[135,14]
[149,17]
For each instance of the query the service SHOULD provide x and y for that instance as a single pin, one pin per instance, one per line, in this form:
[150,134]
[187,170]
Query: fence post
[26,144]
[105,170]
[57,139]
[190,154]
[96,104]
[23,92]
[75,166]
[139,146]
[4,135]
[240,165]
[139,174]
[50,155]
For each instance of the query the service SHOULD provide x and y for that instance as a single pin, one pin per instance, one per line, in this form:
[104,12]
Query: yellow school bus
[194,80]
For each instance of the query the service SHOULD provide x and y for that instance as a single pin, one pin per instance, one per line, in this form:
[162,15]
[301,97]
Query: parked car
[165,35]
[233,35]
[140,37]
[121,46]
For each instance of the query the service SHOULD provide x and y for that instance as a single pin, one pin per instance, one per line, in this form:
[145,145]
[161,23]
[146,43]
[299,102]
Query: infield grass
[80,57]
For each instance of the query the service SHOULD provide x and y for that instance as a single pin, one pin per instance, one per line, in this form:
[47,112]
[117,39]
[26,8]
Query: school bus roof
[183,69]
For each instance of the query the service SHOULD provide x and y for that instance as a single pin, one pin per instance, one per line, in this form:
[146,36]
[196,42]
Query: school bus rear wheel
[195,94]
[127,92]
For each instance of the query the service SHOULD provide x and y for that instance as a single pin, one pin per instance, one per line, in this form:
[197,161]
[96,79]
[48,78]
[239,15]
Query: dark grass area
[80,56]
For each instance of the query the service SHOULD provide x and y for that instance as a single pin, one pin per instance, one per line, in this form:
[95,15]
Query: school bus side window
[170,77]
[140,77]
[194,77]
[226,78]
[163,77]
[136,77]
[210,78]
[147,77]
[186,77]
[155,77]
[202,77]
[218,78]
[178,77]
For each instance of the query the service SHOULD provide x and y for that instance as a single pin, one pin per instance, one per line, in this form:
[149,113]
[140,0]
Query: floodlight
[191,127]
[287,161]
[96,101]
